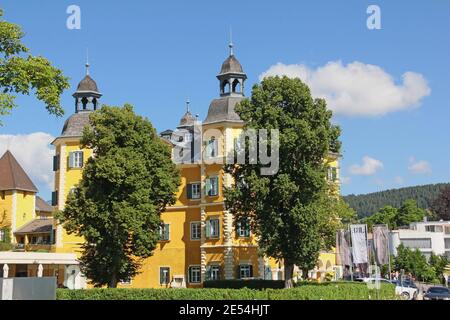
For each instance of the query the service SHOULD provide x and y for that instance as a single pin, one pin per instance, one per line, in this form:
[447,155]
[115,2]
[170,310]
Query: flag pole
[351,254]
[389,252]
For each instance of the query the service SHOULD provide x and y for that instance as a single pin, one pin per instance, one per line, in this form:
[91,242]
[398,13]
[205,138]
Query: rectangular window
[243,229]
[164,276]
[213,272]
[332,174]
[196,230]
[164,232]
[212,186]
[76,159]
[195,274]
[245,271]
[434,228]
[447,243]
[194,191]
[417,243]
[447,230]
[2,235]
[213,228]
[187,137]
[212,148]
[56,162]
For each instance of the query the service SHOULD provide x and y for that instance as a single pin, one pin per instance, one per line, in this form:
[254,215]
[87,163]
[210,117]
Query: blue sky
[155,55]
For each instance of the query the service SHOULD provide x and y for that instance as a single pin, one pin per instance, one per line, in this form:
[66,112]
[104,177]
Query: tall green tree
[23,73]
[117,205]
[441,206]
[334,214]
[386,215]
[409,212]
[414,262]
[439,263]
[283,207]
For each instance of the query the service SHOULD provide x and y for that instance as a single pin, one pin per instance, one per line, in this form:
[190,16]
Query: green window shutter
[167,232]
[71,160]
[81,159]
[56,163]
[208,229]
[54,198]
[189,191]
[238,272]
[251,271]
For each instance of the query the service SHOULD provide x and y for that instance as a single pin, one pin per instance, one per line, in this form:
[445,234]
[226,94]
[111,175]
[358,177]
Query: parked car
[437,293]
[406,289]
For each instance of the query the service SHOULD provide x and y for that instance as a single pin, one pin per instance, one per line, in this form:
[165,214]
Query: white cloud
[419,167]
[368,167]
[357,89]
[345,180]
[34,154]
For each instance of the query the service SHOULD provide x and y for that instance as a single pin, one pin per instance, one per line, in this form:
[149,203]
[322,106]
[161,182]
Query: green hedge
[328,291]
[240,284]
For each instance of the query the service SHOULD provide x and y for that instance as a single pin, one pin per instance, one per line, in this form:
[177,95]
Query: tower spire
[87,62]
[230,44]
[188,102]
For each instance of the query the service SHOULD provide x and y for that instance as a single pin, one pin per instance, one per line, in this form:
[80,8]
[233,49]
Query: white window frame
[2,235]
[168,280]
[161,233]
[216,272]
[216,193]
[197,267]
[212,148]
[211,234]
[245,265]
[199,224]
[241,231]
[188,137]
[197,195]
[77,159]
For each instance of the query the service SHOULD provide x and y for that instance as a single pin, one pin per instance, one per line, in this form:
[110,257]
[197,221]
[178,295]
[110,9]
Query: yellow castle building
[198,238]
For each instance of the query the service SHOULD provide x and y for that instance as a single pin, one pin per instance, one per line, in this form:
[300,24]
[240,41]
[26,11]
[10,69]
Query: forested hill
[368,204]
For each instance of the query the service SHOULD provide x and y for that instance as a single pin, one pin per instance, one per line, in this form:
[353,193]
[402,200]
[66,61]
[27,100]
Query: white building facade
[427,236]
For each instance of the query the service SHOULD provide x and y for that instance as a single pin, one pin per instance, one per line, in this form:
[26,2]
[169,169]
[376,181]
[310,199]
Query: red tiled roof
[12,175]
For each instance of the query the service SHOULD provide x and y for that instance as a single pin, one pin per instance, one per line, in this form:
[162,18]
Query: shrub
[326,291]
[258,284]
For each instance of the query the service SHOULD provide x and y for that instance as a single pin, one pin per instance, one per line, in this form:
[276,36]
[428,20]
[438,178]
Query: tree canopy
[23,73]
[397,217]
[117,205]
[441,206]
[368,204]
[282,207]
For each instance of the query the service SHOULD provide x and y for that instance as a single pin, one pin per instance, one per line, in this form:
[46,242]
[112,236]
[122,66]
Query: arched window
[225,87]
[236,86]
[84,101]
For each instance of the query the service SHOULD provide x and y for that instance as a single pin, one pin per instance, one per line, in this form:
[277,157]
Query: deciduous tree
[23,73]
[283,207]
[117,205]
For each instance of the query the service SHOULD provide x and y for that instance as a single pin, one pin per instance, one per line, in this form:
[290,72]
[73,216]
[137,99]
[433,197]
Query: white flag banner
[358,233]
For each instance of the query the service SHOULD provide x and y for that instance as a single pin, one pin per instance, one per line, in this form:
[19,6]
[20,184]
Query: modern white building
[427,236]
